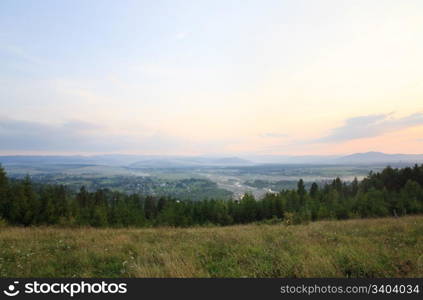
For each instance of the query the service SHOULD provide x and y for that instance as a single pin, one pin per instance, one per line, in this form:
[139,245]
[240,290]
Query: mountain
[293,159]
[231,161]
[186,161]
[379,157]
[46,159]
[134,161]
[161,161]
[356,158]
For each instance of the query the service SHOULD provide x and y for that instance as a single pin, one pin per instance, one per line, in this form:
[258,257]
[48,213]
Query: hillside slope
[387,247]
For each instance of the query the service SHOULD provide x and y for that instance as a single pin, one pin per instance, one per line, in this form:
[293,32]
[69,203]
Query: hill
[188,161]
[379,157]
[173,161]
[371,157]
[386,247]
[149,161]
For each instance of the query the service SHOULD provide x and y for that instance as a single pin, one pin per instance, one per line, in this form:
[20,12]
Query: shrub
[3,223]
[288,218]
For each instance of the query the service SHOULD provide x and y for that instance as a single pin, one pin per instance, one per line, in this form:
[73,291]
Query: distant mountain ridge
[131,161]
[169,162]
[371,157]
[163,161]
[380,157]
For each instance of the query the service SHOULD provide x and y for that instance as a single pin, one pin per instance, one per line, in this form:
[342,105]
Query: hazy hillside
[125,160]
[175,162]
[356,158]
[160,161]
[379,157]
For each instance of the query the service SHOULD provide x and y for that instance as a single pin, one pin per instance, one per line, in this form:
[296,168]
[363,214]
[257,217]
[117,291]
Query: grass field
[387,247]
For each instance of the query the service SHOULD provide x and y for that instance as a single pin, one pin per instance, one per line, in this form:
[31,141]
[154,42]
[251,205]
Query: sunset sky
[211,77]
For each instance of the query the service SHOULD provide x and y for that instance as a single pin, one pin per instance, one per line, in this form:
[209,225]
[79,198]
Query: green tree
[248,207]
[301,189]
[4,186]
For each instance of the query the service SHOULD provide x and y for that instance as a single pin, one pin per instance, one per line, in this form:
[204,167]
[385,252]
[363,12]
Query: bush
[288,218]
[274,220]
[3,223]
[291,218]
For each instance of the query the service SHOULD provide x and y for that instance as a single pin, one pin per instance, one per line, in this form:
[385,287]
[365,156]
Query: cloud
[83,137]
[273,135]
[181,35]
[370,126]
[80,125]
[16,135]
[20,53]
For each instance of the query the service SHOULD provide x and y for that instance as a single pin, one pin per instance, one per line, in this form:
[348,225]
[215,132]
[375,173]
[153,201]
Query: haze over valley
[199,176]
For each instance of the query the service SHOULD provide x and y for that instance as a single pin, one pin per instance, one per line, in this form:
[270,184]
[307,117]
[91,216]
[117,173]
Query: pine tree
[301,188]
[314,189]
[3,193]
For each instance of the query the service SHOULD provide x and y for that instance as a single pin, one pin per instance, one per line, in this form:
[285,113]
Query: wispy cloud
[16,135]
[273,135]
[370,126]
[181,35]
[20,53]
[85,137]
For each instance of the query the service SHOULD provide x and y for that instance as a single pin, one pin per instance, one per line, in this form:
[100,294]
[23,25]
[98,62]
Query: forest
[391,192]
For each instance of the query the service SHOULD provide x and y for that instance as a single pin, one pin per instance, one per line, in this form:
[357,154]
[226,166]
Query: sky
[222,77]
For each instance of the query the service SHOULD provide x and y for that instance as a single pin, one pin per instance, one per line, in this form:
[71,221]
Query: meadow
[383,247]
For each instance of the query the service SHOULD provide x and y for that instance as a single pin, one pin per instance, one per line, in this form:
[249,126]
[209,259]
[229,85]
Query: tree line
[391,192]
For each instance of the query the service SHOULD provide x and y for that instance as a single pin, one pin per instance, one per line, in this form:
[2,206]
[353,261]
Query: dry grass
[387,247]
